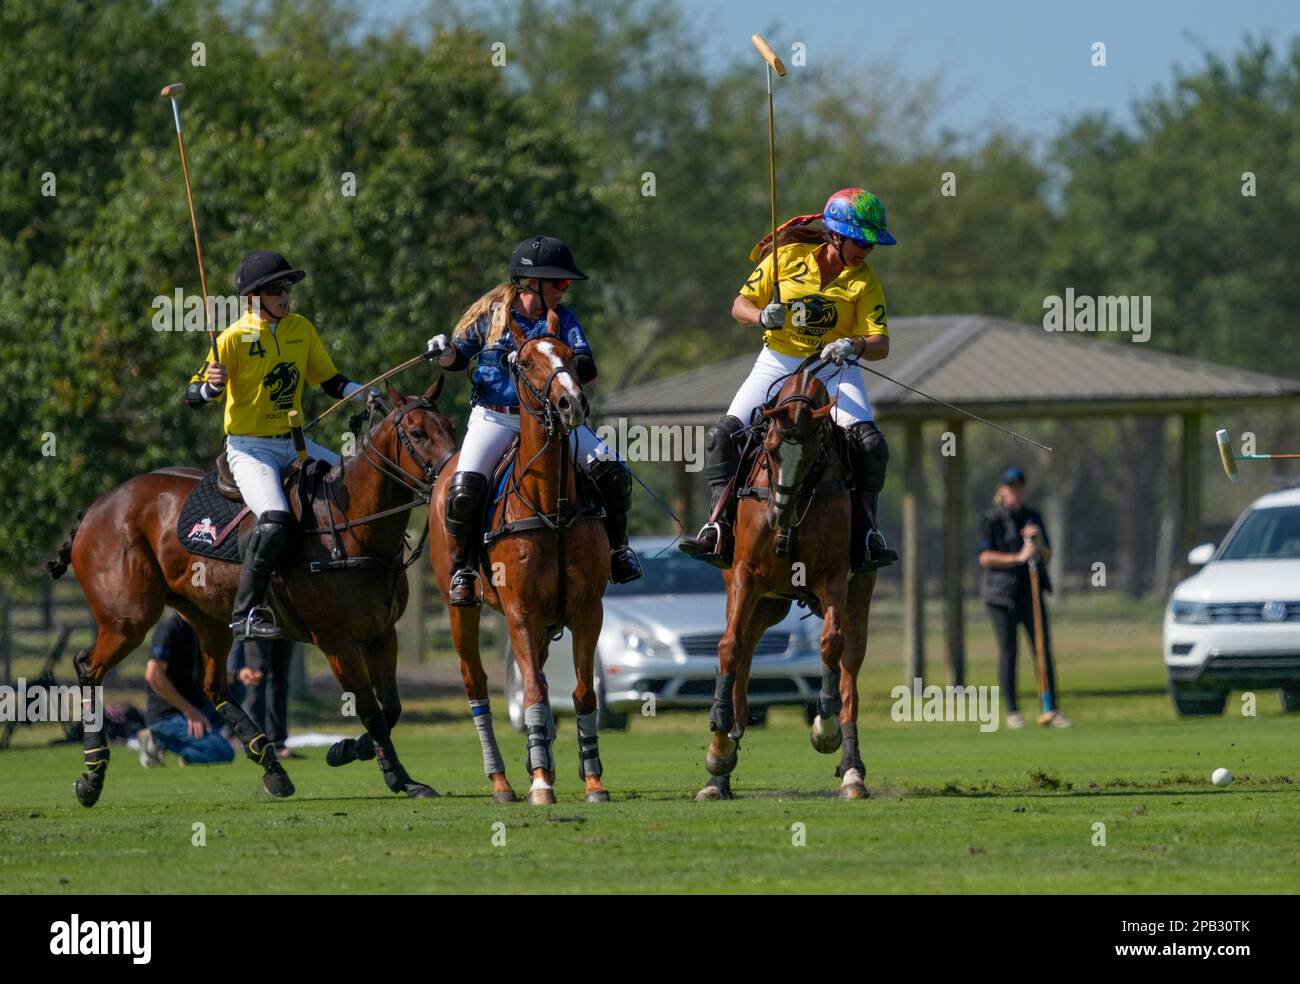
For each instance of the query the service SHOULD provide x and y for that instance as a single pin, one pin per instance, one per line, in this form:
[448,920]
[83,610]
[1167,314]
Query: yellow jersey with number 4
[266,370]
[851,304]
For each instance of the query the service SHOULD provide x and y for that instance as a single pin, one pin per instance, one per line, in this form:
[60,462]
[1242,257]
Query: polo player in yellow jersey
[263,362]
[829,297]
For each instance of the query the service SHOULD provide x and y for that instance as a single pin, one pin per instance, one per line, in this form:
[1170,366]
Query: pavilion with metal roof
[1003,371]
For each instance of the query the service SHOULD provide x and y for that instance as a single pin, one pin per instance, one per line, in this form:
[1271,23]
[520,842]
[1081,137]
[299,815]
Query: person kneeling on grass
[179,716]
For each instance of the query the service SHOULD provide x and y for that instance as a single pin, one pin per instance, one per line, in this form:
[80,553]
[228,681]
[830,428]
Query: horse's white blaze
[564,382]
[788,459]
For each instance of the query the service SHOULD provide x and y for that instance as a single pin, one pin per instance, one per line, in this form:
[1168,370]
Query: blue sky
[1026,62]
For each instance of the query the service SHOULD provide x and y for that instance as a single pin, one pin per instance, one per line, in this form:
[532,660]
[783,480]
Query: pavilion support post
[913,571]
[1189,488]
[954,552]
[683,498]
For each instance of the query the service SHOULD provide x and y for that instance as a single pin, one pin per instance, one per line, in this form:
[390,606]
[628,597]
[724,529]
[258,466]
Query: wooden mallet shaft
[173,92]
[774,64]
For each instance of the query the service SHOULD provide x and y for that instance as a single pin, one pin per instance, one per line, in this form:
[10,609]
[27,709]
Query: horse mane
[497,302]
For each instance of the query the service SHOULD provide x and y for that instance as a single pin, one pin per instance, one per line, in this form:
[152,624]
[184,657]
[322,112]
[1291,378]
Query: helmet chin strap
[541,296]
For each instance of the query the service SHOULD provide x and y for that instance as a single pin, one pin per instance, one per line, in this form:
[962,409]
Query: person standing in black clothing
[261,669]
[1011,536]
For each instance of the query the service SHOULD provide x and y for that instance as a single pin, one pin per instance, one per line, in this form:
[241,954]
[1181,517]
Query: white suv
[1235,624]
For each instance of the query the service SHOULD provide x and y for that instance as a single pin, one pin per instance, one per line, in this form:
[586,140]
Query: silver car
[660,637]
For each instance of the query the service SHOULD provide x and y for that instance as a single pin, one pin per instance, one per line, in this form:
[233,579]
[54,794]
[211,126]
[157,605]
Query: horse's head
[546,379]
[414,441]
[794,440]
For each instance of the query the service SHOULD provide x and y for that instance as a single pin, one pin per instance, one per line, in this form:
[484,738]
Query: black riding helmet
[544,258]
[263,267]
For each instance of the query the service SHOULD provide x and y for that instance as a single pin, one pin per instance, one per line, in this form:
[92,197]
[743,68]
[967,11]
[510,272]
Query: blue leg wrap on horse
[588,746]
[541,732]
[828,701]
[482,711]
[722,715]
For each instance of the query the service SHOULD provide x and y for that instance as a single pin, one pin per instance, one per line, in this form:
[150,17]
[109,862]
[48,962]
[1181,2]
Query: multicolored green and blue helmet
[857,214]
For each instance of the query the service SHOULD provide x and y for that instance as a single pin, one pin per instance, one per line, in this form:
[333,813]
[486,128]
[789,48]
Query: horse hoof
[598,796]
[853,788]
[87,791]
[719,788]
[342,752]
[721,766]
[505,796]
[541,796]
[419,791]
[822,737]
[277,783]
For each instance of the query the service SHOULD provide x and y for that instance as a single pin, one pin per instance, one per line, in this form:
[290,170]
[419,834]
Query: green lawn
[952,810]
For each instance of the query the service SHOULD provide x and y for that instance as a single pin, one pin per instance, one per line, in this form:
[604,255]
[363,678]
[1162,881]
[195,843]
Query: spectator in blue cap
[1012,535]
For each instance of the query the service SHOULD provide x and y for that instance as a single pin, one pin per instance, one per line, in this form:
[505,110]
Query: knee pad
[465,498]
[269,535]
[614,481]
[870,454]
[721,453]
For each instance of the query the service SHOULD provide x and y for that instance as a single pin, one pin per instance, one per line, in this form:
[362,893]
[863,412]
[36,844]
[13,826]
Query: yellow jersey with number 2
[851,304]
[266,370]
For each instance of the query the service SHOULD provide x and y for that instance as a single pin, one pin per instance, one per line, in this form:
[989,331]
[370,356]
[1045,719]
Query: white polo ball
[1221,777]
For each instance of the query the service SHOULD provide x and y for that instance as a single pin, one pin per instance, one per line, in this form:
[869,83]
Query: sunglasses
[276,290]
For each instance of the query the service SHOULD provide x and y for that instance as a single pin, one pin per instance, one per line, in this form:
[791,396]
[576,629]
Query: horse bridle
[545,412]
[393,469]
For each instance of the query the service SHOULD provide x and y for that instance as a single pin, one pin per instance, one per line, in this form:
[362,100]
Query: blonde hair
[496,302]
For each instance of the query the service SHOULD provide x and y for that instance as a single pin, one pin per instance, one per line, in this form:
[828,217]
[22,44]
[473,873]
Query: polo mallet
[366,388]
[774,64]
[1230,460]
[1045,697]
[173,92]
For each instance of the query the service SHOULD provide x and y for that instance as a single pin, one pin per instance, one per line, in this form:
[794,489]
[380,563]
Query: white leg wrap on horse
[482,711]
[588,746]
[541,732]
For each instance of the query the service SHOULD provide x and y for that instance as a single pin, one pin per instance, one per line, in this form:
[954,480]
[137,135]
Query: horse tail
[57,567]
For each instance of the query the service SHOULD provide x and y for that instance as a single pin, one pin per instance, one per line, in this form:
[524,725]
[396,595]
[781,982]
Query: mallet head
[1226,456]
[173,90]
[768,54]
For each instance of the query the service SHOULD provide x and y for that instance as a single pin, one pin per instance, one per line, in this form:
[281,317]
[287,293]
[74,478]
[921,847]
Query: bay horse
[792,518]
[545,569]
[130,563]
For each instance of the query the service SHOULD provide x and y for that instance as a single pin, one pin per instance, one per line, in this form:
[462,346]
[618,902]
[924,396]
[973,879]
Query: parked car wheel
[1197,703]
[757,717]
[1290,700]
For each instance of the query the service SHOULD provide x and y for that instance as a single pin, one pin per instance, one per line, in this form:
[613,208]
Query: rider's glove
[772,316]
[437,345]
[840,350]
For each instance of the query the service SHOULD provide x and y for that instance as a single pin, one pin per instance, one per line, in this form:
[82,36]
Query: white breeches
[844,382]
[255,464]
[489,433]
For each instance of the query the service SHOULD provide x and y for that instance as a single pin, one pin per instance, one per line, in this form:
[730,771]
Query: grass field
[952,810]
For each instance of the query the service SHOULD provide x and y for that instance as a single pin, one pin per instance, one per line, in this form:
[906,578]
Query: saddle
[215,509]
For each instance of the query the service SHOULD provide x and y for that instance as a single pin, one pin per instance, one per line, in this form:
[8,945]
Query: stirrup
[632,565]
[719,556]
[258,623]
[885,557]
[462,576]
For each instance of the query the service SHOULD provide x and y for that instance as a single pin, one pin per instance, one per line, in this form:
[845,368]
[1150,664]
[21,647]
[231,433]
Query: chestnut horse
[130,563]
[547,572]
[791,544]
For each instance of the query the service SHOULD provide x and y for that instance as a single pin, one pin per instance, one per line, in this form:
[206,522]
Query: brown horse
[130,563]
[548,571]
[791,521]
